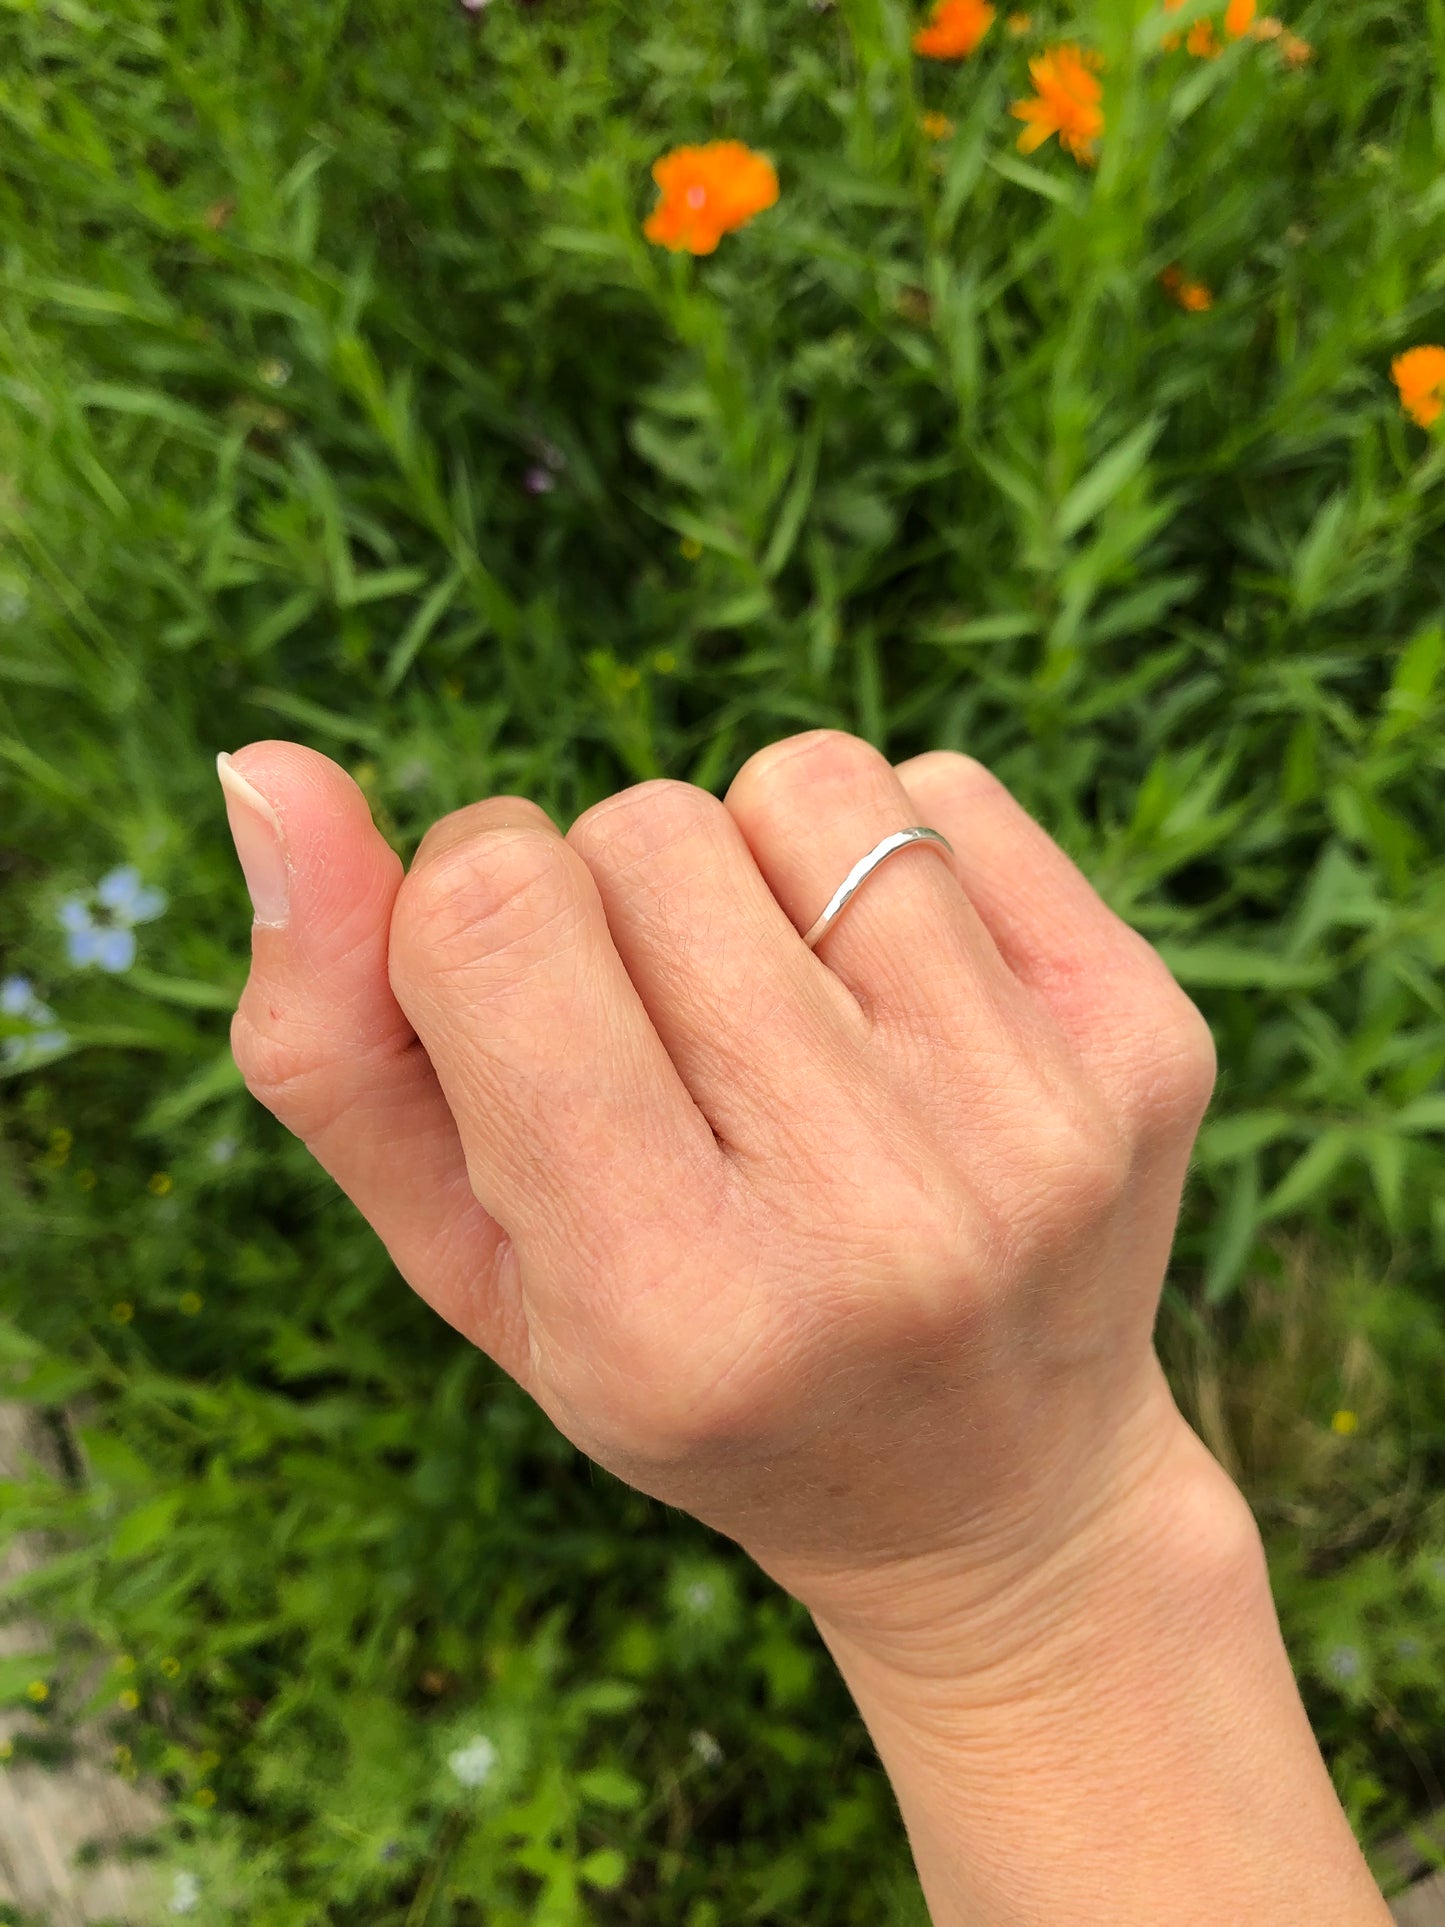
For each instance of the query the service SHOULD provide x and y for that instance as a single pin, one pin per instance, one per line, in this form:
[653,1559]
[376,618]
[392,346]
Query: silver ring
[863,868]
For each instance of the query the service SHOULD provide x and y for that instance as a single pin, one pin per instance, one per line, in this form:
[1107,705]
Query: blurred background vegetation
[341,397]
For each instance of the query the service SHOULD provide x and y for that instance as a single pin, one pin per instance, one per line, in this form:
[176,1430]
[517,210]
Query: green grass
[291,299]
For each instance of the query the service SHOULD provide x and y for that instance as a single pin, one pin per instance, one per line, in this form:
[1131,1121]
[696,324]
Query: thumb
[321,1041]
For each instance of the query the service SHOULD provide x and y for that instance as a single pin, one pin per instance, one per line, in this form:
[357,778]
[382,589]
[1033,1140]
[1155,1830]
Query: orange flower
[938,127]
[1193,296]
[1419,374]
[954,30]
[1297,52]
[706,193]
[1067,97]
[1239,18]
[1203,40]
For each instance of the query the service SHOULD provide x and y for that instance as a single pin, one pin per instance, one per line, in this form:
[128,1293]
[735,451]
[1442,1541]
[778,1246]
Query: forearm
[1133,1752]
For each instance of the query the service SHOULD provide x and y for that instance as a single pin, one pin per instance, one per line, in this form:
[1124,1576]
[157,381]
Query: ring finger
[910,947]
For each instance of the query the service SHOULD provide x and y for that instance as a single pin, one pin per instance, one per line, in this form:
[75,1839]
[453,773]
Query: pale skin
[854,1253]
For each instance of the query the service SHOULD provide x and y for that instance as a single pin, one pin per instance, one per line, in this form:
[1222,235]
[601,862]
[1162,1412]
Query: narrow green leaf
[1049,186]
[1223,966]
[297,709]
[214,1081]
[1233,1232]
[138,1531]
[1310,1174]
[1106,479]
[413,638]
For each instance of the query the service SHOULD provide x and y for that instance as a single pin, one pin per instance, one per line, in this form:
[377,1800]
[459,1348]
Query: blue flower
[44,1037]
[100,927]
[1344,1663]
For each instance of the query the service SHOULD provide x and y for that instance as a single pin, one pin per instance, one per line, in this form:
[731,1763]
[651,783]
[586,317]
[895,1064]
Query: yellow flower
[123,1312]
[1020,24]
[129,1700]
[954,30]
[1067,97]
[690,548]
[190,1303]
[205,1796]
[159,1183]
[1344,1423]
[125,1664]
[938,127]
[38,1691]
[1419,374]
[706,192]
[171,1667]
[7,1749]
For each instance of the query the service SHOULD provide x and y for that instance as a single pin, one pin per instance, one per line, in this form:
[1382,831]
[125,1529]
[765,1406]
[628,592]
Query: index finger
[580,1135]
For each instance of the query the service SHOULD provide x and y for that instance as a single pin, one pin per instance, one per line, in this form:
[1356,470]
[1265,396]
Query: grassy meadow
[343,397]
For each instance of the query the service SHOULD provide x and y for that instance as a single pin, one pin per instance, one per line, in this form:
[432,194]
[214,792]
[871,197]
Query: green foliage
[342,396]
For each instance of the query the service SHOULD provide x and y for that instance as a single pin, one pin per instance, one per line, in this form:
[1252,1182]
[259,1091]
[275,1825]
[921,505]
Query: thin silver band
[863,868]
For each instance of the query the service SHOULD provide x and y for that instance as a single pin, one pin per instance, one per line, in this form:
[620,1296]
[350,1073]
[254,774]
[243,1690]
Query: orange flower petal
[1067,102]
[1419,374]
[954,30]
[1239,18]
[706,192]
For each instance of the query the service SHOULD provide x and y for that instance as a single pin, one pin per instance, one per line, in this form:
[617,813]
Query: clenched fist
[854,1253]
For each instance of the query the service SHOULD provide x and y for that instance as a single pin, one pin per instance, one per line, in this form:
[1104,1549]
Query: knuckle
[816,756]
[1176,1063]
[946,770]
[481,899]
[943,1264]
[648,1399]
[643,821]
[1081,1166]
[287,1067]
[308,1064]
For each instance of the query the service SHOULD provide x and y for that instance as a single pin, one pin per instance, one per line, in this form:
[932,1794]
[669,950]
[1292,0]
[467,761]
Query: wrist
[1063,1527]
[1167,1549]
[1112,1732]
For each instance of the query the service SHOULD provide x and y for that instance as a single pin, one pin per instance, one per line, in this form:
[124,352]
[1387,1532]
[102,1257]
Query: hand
[854,1254]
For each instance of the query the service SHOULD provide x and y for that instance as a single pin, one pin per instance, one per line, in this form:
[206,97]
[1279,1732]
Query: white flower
[222,1149]
[700,1596]
[1344,1662]
[185,1894]
[414,774]
[706,1749]
[44,1039]
[473,1763]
